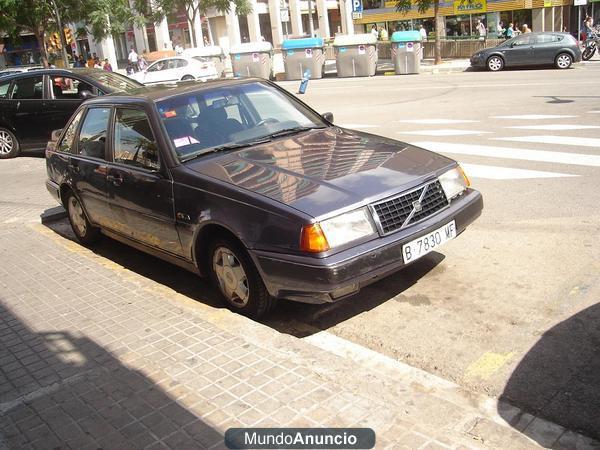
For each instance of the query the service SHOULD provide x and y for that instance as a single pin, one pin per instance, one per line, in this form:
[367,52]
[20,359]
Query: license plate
[425,244]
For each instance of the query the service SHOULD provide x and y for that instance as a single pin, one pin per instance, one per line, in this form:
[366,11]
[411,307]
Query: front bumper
[312,280]
[477,62]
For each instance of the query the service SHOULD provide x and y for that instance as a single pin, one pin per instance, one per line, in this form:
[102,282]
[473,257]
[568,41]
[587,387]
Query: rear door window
[134,143]
[28,88]
[4,89]
[66,144]
[92,137]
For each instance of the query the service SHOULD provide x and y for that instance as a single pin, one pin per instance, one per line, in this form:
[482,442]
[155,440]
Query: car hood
[325,170]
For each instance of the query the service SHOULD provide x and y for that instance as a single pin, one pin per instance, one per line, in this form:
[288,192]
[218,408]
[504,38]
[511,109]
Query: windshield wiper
[294,130]
[223,148]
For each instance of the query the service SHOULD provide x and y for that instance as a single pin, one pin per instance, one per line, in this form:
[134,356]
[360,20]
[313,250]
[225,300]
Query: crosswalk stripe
[444,132]
[533,117]
[508,173]
[562,140]
[593,112]
[577,159]
[436,121]
[556,127]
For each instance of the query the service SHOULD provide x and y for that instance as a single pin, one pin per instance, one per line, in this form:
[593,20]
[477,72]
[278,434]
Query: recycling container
[303,55]
[252,59]
[212,53]
[355,55]
[406,52]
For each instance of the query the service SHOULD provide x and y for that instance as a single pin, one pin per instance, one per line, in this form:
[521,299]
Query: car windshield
[234,116]
[114,81]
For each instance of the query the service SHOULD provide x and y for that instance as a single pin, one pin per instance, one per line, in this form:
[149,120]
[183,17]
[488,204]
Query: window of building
[92,137]
[28,88]
[134,143]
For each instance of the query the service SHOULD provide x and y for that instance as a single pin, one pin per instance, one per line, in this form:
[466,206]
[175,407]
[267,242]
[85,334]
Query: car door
[140,190]
[519,52]
[64,98]
[87,164]
[545,47]
[7,106]
[159,72]
[31,128]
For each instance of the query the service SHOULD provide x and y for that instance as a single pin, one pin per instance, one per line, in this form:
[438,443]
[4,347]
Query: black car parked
[530,49]
[240,181]
[34,103]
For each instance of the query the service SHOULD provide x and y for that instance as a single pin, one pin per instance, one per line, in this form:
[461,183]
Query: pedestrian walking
[423,33]
[480,27]
[509,32]
[526,28]
[142,63]
[107,66]
[133,59]
[374,31]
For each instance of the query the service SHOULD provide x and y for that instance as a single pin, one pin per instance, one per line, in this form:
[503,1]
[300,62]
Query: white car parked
[176,68]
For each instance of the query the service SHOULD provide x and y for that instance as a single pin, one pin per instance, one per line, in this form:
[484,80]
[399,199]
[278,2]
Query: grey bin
[355,55]
[252,59]
[212,53]
[302,55]
[406,52]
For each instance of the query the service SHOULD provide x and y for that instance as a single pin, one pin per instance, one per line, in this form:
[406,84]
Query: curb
[53,214]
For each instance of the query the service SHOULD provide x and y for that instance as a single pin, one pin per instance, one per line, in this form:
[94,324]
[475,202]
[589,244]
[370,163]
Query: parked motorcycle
[591,44]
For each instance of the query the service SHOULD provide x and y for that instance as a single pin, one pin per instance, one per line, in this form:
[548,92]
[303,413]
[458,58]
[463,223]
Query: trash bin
[252,59]
[355,55]
[300,55]
[213,53]
[406,52]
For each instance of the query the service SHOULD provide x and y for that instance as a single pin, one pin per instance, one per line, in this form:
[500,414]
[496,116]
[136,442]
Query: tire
[84,231]
[495,63]
[9,145]
[236,279]
[563,61]
[588,53]
[187,78]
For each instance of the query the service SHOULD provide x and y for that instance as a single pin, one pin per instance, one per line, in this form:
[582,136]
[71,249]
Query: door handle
[117,180]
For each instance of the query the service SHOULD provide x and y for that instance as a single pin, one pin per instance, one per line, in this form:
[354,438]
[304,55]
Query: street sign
[579,2]
[357,6]
[285,15]
[356,15]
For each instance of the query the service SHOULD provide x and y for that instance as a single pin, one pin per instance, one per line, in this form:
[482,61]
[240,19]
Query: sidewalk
[93,355]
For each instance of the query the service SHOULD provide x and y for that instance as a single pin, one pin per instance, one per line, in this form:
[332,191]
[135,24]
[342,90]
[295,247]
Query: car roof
[159,92]
[83,71]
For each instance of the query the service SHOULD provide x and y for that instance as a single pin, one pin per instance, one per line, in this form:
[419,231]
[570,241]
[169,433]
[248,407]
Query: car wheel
[9,146]
[563,61]
[235,277]
[187,78]
[83,229]
[495,63]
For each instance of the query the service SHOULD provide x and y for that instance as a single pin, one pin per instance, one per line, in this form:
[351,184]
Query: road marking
[488,364]
[562,140]
[508,173]
[577,159]
[593,112]
[533,117]
[444,132]
[358,125]
[555,127]
[437,121]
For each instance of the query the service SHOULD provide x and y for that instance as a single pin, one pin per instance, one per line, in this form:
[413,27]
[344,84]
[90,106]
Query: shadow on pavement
[559,378]
[297,319]
[59,390]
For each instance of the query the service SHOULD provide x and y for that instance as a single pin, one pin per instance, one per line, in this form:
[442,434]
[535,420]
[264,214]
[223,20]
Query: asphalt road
[510,308]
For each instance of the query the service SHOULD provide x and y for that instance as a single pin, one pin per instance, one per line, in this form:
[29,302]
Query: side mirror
[55,134]
[85,94]
[328,116]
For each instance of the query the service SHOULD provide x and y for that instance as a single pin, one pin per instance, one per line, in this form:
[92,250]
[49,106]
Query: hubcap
[77,216]
[231,276]
[563,61]
[6,142]
[495,64]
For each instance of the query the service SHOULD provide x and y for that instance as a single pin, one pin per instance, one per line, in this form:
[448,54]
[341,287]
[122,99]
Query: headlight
[337,231]
[454,182]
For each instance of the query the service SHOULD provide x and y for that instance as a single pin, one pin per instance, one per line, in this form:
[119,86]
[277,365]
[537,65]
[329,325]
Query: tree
[423,6]
[41,17]
[164,8]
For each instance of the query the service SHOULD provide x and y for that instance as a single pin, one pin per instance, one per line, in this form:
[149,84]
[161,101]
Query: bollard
[304,82]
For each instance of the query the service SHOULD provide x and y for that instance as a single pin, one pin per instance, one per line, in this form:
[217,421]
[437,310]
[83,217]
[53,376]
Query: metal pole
[311,27]
[579,25]
[61,33]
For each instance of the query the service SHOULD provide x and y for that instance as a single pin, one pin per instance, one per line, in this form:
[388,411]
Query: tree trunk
[40,36]
[191,17]
[439,24]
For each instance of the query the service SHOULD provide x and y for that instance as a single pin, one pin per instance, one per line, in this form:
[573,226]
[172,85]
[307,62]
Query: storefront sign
[470,6]
[579,2]
[285,15]
[547,3]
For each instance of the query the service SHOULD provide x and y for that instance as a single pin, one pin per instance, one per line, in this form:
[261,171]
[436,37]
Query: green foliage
[163,8]
[406,5]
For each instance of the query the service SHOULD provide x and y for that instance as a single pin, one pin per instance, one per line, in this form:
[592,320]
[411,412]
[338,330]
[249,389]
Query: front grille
[395,213]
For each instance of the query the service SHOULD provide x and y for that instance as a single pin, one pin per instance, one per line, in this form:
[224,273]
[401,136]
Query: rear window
[114,81]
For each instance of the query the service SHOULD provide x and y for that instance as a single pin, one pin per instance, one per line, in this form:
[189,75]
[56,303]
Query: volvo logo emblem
[417,206]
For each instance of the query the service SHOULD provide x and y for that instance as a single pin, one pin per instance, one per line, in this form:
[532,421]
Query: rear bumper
[332,278]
